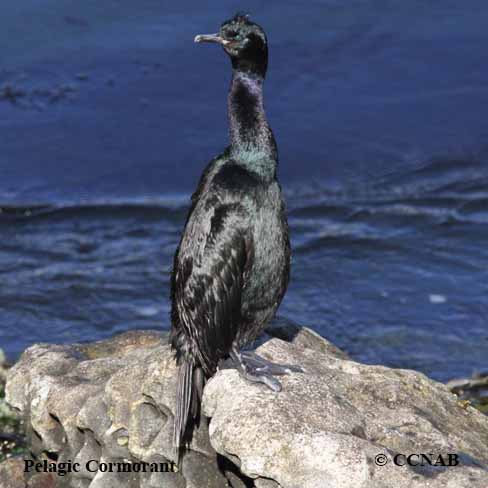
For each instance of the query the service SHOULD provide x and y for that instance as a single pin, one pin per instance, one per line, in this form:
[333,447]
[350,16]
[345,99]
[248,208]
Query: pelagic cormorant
[232,265]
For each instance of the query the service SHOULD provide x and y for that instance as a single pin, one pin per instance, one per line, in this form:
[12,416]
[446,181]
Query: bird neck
[252,143]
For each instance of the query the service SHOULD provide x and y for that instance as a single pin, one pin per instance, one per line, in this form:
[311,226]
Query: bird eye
[231,34]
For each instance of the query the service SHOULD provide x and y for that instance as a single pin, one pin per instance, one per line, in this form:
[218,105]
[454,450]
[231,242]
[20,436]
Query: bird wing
[208,286]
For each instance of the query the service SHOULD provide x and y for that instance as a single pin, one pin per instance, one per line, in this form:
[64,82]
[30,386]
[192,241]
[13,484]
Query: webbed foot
[255,368]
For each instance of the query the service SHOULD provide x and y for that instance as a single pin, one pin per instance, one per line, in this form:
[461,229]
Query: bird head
[245,43]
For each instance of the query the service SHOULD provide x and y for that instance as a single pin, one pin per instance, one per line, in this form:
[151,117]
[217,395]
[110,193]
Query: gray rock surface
[113,401]
[328,425]
[12,473]
[109,401]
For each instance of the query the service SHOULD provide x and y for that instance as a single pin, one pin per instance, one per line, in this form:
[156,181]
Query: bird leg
[257,369]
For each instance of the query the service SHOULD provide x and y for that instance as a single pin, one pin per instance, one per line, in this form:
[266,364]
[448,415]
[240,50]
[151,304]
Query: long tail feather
[183,401]
[189,392]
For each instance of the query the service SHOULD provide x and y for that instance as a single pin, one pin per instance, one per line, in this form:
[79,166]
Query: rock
[473,390]
[328,424]
[285,329]
[44,480]
[12,476]
[107,401]
[4,365]
[112,402]
[12,440]
[199,473]
[12,473]
[264,483]
[3,359]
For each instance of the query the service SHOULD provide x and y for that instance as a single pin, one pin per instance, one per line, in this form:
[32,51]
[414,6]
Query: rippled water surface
[108,116]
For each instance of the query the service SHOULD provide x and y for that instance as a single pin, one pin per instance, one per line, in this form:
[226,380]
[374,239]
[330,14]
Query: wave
[439,191]
[116,208]
[439,176]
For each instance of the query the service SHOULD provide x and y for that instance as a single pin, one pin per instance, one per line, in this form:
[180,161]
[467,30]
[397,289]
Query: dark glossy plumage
[231,268]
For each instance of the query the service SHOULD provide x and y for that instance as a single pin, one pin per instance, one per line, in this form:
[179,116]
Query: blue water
[109,112]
